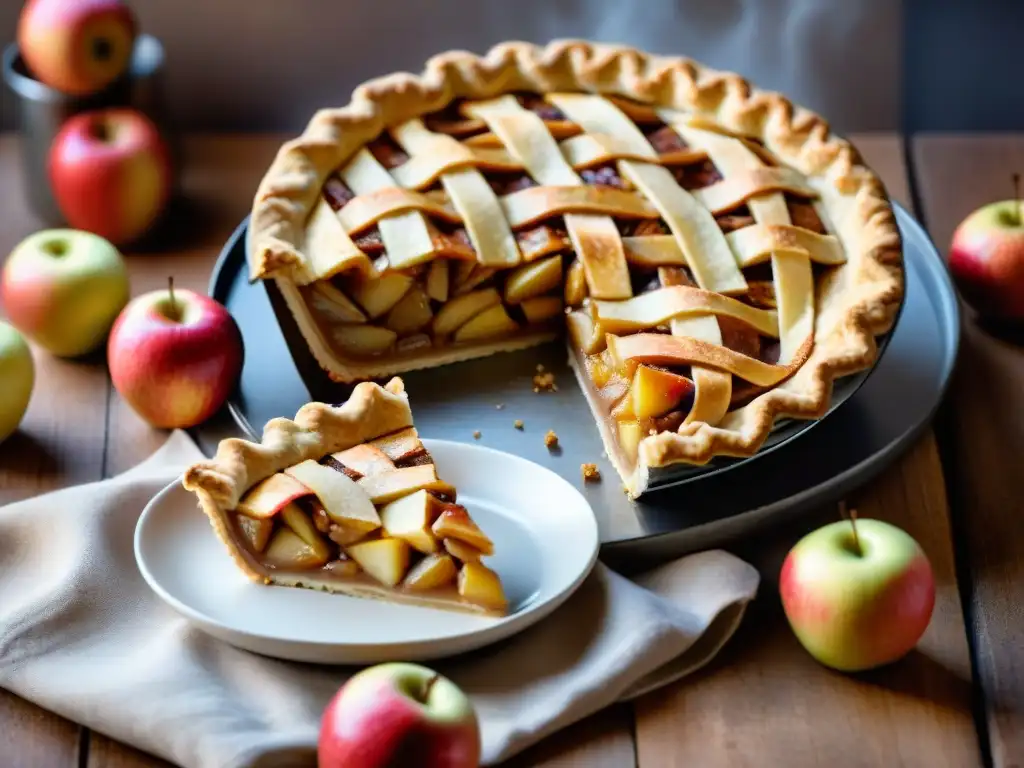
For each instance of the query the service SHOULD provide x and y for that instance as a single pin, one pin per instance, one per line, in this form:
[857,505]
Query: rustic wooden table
[763,702]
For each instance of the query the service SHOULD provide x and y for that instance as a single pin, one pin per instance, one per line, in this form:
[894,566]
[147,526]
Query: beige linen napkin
[82,635]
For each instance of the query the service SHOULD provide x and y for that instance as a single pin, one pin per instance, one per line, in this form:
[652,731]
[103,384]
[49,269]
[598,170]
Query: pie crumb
[476,435]
[540,368]
[551,439]
[518,424]
[544,382]
[499,406]
[590,473]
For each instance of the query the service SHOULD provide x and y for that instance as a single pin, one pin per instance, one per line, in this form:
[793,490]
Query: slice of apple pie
[347,499]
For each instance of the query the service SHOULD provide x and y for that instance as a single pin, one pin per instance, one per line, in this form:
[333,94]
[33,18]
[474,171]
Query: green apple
[17,375]
[857,598]
[63,289]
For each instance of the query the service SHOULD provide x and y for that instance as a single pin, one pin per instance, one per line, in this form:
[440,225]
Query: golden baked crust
[854,302]
[317,429]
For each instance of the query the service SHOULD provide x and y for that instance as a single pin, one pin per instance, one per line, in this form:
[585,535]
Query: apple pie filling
[371,517]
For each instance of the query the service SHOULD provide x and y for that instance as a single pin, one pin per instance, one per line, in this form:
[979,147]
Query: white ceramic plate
[546,543]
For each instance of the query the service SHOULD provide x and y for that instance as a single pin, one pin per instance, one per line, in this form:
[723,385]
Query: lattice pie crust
[717,255]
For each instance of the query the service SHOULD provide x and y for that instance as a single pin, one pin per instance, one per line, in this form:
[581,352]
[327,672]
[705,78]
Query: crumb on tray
[476,434]
[551,439]
[590,472]
[518,424]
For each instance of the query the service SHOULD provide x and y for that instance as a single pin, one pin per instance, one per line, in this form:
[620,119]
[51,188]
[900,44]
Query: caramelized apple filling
[377,514]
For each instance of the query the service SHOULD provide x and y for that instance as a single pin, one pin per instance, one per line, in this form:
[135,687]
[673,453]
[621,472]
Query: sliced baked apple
[493,322]
[410,518]
[288,550]
[256,531]
[385,488]
[480,585]
[431,572]
[462,309]
[583,332]
[365,459]
[655,392]
[454,522]
[328,300]
[575,284]
[533,279]
[478,275]
[460,550]
[437,280]
[343,566]
[344,501]
[300,522]
[363,340]
[411,313]
[378,296]
[541,308]
[386,560]
[400,446]
[630,436]
[267,497]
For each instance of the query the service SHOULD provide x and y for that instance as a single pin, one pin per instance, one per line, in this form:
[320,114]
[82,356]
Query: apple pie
[714,255]
[347,499]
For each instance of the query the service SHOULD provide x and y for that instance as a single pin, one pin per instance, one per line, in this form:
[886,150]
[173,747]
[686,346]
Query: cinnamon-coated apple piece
[255,532]
[410,518]
[480,585]
[299,521]
[575,284]
[599,369]
[431,572]
[386,560]
[379,295]
[266,498]
[400,446]
[363,340]
[344,501]
[343,566]
[385,488]
[541,308]
[288,550]
[454,522]
[460,550]
[437,280]
[365,459]
[411,313]
[533,279]
[655,392]
[492,322]
[461,309]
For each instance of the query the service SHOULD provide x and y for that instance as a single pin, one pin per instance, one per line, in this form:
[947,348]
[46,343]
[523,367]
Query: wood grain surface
[956,175]
[763,702]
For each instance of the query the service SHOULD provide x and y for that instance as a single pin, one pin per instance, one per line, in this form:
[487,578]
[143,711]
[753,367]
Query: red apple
[399,714]
[76,46]
[174,357]
[110,171]
[857,600]
[986,260]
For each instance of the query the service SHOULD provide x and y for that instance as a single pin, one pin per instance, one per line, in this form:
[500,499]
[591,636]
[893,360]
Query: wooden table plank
[956,175]
[766,702]
[60,443]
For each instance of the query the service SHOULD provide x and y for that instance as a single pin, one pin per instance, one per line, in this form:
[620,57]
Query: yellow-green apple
[63,289]
[17,375]
[76,46]
[399,714]
[857,598]
[986,260]
[174,356]
[110,173]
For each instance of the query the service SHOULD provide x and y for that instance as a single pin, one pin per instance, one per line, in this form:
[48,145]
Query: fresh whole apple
[63,289]
[857,598]
[17,376]
[174,356]
[986,260]
[78,47]
[399,714]
[110,171]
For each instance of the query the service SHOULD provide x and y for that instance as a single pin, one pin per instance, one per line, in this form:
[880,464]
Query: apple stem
[425,694]
[170,290]
[852,515]
[1016,196]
